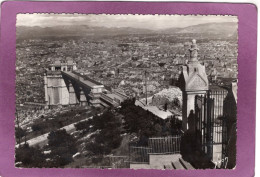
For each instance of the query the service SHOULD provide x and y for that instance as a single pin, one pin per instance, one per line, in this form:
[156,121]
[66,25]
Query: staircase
[179,165]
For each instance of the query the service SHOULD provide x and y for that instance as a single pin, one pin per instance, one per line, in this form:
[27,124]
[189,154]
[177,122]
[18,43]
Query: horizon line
[155,29]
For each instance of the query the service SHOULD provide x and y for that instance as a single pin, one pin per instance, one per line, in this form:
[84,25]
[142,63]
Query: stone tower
[56,91]
[193,81]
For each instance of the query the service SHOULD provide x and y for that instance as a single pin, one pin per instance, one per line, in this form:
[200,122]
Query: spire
[193,52]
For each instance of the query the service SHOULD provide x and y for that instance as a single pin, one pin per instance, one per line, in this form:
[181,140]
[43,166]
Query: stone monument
[193,81]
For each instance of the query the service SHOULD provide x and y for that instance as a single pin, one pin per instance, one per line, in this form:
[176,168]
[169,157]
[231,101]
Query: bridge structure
[65,86]
[81,89]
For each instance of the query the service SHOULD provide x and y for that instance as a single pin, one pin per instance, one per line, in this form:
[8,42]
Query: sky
[156,22]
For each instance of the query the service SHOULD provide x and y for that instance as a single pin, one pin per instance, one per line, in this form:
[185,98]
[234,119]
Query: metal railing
[139,154]
[156,145]
[163,145]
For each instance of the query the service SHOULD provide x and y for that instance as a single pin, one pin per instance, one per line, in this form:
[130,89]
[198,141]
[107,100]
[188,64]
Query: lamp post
[145,72]
[18,125]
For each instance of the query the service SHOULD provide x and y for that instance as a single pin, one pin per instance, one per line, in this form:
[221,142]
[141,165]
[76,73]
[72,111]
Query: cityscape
[117,91]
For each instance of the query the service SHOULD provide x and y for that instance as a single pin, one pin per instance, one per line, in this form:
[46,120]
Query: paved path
[42,139]
[164,161]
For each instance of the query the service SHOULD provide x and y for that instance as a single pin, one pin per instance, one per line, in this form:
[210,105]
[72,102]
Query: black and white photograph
[135,91]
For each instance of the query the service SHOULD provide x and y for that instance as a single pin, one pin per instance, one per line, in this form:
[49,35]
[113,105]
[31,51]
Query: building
[64,86]
[56,92]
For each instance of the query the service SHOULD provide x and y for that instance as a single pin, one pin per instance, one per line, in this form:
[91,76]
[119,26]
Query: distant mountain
[24,32]
[82,30]
[226,28]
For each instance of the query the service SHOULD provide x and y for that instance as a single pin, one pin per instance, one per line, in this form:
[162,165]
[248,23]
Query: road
[42,139]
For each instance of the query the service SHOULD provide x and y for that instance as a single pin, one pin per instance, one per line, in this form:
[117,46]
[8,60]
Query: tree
[19,132]
[140,121]
[62,146]
[158,128]
[84,125]
[165,106]
[176,126]
[108,137]
[36,127]
[29,156]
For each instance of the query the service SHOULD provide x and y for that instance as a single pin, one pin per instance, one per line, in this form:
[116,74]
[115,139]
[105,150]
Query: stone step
[186,164]
[168,166]
[177,165]
[104,104]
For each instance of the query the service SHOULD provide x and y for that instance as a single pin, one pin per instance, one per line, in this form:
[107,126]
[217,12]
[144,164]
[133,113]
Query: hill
[228,29]
[24,32]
